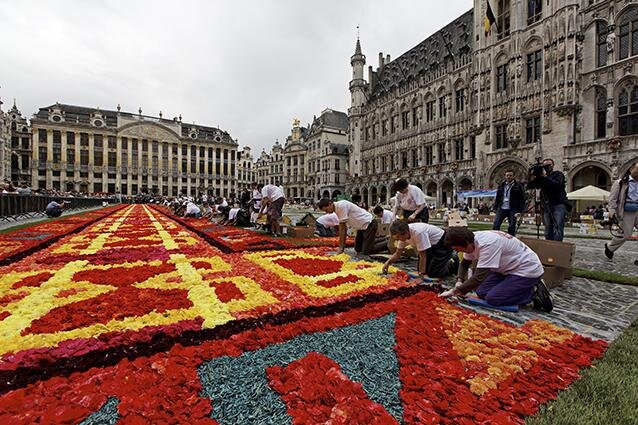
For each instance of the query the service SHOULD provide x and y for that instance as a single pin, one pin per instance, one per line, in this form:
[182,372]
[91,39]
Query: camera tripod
[540,205]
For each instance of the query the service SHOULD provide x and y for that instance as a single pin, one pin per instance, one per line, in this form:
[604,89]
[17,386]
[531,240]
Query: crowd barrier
[15,207]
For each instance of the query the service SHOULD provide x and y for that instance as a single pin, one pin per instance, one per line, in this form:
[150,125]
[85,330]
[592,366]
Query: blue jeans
[501,215]
[556,230]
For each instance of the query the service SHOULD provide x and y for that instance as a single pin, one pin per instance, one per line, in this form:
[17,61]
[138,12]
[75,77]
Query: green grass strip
[606,276]
[607,393]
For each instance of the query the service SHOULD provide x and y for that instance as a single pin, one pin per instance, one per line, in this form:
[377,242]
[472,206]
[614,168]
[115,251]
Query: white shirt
[411,200]
[232,214]
[503,253]
[224,203]
[388,217]
[328,220]
[191,208]
[423,236]
[272,192]
[355,217]
[256,198]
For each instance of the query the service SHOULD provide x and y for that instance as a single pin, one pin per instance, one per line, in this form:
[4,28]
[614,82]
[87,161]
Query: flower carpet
[235,239]
[20,243]
[136,319]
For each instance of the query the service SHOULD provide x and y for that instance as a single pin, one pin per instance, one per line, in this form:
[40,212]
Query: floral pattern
[116,324]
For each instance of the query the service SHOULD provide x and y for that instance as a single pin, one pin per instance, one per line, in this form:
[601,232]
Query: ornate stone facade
[246,171]
[461,107]
[20,145]
[5,147]
[94,150]
[314,159]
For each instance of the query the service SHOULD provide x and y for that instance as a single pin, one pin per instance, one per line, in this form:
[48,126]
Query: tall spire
[357,50]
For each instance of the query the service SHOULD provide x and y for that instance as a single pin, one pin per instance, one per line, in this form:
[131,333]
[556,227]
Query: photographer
[552,186]
[623,208]
[510,203]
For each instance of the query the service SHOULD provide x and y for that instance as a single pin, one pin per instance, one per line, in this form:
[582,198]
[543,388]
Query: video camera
[536,170]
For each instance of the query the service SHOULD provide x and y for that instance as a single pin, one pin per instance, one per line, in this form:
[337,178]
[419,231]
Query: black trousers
[438,262]
[365,240]
[423,216]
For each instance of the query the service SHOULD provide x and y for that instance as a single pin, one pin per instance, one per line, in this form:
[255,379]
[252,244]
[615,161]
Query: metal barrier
[15,207]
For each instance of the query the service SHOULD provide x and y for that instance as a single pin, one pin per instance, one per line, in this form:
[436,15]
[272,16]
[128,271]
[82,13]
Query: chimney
[387,59]
[380,60]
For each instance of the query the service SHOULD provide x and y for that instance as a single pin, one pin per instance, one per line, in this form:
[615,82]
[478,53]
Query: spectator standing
[554,197]
[623,206]
[510,203]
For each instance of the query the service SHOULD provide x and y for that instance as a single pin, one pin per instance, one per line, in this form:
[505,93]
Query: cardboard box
[552,253]
[553,276]
[383,230]
[301,232]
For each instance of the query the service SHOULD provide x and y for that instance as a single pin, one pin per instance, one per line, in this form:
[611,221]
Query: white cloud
[247,66]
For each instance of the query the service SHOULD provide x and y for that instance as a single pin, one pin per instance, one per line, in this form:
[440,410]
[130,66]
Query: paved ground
[22,221]
[596,309]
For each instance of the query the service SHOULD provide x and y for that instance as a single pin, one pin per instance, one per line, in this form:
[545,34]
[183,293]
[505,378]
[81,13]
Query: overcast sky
[248,66]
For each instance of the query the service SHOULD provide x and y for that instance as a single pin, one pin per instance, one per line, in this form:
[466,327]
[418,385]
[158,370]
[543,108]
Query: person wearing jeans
[623,206]
[552,186]
[510,203]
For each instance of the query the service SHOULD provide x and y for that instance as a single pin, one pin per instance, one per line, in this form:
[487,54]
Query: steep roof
[329,118]
[449,43]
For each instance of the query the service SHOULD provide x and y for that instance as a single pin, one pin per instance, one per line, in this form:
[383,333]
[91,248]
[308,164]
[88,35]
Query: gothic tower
[358,87]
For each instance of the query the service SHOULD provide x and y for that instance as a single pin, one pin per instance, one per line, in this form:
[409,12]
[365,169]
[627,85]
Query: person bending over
[411,200]
[272,199]
[360,220]
[384,216]
[54,209]
[507,272]
[192,210]
[435,258]
[327,225]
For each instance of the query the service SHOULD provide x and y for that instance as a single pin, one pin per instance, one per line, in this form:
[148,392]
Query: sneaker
[542,298]
[609,253]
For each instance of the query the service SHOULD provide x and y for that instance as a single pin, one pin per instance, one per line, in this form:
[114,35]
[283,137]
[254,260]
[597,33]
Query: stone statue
[611,41]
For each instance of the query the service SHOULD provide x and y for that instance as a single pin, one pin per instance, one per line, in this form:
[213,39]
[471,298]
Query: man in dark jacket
[510,203]
[554,196]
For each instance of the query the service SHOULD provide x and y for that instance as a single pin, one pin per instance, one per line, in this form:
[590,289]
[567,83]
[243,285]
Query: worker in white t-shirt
[192,210]
[272,197]
[435,259]
[507,272]
[359,220]
[256,202]
[384,216]
[327,225]
[411,200]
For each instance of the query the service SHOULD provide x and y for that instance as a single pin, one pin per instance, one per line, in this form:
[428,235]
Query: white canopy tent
[589,193]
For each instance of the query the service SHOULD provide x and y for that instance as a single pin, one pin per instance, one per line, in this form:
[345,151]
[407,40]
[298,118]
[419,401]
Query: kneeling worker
[508,272]
[54,209]
[434,257]
[384,216]
[357,218]
[327,224]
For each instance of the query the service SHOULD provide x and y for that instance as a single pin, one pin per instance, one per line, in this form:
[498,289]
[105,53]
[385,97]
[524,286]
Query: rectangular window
[472,147]
[112,141]
[429,155]
[501,136]
[70,138]
[429,110]
[404,160]
[57,146]
[42,137]
[442,107]
[84,157]
[415,158]
[533,130]
[534,11]
[84,140]
[503,19]
[601,44]
[601,115]
[534,66]
[405,120]
[384,127]
[70,157]
[393,124]
[501,78]
[442,154]
[459,152]
[460,100]
[112,159]
[337,165]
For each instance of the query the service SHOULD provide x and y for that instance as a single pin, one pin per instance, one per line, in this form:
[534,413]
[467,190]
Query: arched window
[601,113]
[628,34]
[628,111]
[601,43]
[503,19]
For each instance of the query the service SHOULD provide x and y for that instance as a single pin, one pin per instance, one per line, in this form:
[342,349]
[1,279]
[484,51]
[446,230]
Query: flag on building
[490,19]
